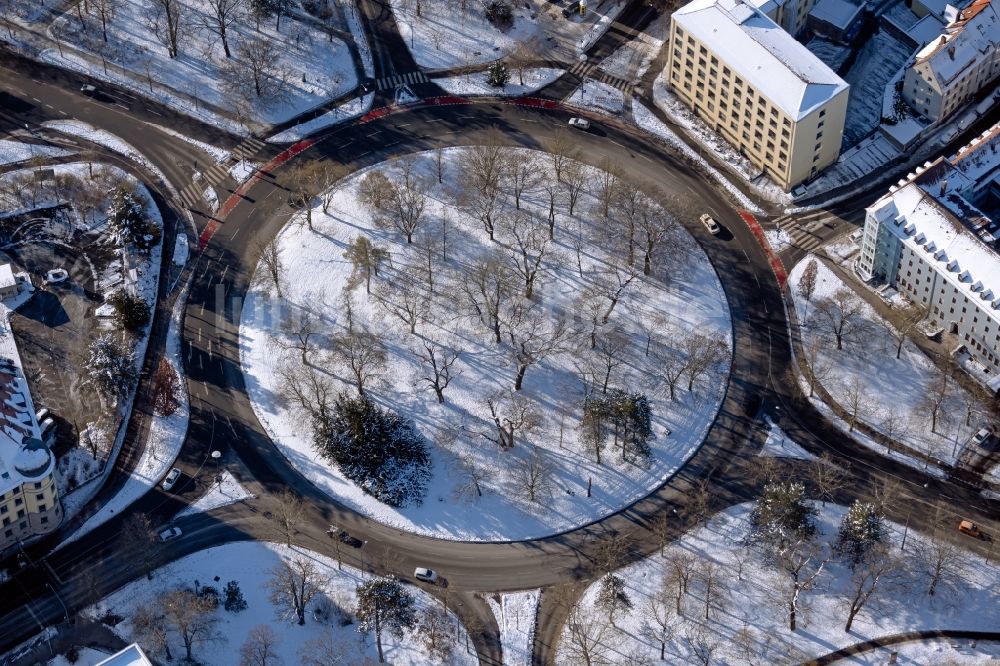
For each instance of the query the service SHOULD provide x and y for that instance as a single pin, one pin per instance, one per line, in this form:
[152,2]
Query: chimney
[943,39]
[951,52]
[944,186]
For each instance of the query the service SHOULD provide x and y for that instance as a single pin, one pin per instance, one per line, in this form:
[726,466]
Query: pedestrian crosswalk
[588,70]
[802,231]
[192,195]
[387,82]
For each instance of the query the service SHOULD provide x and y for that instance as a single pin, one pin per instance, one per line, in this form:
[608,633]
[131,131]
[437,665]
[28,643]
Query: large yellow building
[764,92]
[29,500]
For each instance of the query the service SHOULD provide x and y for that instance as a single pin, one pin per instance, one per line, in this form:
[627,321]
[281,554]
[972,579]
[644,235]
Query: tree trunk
[378,638]
[520,376]
[440,394]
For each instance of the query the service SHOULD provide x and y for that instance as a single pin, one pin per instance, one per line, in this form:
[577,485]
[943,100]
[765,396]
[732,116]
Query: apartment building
[929,239]
[789,14]
[952,69]
[761,90]
[29,499]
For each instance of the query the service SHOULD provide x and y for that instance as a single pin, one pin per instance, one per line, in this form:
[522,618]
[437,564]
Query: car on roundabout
[170,534]
[579,123]
[426,575]
[710,224]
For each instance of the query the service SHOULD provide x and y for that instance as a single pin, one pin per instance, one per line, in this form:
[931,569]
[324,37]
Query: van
[44,426]
[41,414]
[970,528]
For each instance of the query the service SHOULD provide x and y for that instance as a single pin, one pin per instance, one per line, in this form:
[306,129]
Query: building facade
[951,70]
[761,90]
[928,239]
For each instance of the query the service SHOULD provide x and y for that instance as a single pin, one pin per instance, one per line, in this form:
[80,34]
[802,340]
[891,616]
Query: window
[822,113]
[44,520]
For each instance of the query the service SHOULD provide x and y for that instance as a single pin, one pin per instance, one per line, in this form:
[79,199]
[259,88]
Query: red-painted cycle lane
[779,268]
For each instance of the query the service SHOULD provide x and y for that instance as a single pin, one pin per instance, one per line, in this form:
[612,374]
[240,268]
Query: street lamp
[218,477]
[363,544]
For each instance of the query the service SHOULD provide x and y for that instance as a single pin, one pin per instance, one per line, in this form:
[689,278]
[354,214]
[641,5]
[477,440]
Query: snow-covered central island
[581,354]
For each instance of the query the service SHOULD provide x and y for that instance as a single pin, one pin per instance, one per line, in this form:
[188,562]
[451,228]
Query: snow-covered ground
[631,60]
[345,111]
[450,34]
[780,445]
[879,60]
[778,239]
[243,170]
[226,491]
[892,391]
[691,301]
[598,96]
[311,67]
[250,563]
[515,613]
[751,607]
[15,151]
[85,657]
[166,436]
[647,121]
[475,83]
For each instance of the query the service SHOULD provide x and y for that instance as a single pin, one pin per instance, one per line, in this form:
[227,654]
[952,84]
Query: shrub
[234,603]
[376,448]
[499,13]
[210,595]
[498,76]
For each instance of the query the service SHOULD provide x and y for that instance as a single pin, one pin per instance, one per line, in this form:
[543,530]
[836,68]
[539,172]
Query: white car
[710,224]
[171,480]
[426,575]
[581,123]
[88,89]
[170,534]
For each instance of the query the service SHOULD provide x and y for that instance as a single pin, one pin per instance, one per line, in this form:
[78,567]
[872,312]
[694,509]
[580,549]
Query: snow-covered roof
[925,30]
[7,278]
[975,34]
[130,656]
[838,13]
[761,52]
[17,418]
[963,260]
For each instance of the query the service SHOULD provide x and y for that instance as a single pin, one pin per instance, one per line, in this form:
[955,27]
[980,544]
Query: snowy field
[681,296]
[748,616]
[879,60]
[12,152]
[452,33]
[515,613]
[249,564]
[780,445]
[299,65]
[866,370]
[227,491]
[474,83]
[598,96]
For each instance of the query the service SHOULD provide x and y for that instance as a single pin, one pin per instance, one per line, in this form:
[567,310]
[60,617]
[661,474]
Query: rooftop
[130,656]
[973,35]
[7,278]
[17,417]
[838,13]
[761,52]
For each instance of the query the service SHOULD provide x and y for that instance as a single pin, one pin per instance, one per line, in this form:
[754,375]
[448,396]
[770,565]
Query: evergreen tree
[498,76]
[862,527]
[131,312]
[234,602]
[385,606]
[781,516]
[111,367]
[613,596]
[127,221]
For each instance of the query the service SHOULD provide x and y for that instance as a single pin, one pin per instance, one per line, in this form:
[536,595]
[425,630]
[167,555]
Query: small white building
[8,283]
[130,656]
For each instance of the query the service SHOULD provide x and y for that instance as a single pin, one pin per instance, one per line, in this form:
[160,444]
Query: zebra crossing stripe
[189,195]
[215,174]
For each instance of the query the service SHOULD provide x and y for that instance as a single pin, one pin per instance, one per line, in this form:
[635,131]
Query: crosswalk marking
[387,82]
[583,70]
[248,148]
[190,195]
[801,229]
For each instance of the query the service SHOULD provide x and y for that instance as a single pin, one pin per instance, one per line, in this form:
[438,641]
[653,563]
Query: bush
[498,76]
[72,654]
[499,13]
[210,595]
[375,448]
[131,312]
[149,239]
[234,603]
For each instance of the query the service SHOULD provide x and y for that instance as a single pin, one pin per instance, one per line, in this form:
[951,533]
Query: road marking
[234,233]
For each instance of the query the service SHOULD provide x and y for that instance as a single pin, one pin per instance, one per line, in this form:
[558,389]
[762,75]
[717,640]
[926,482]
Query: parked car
[580,123]
[170,534]
[983,438]
[970,528]
[710,224]
[353,542]
[426,575]
[171,480]
[88,89]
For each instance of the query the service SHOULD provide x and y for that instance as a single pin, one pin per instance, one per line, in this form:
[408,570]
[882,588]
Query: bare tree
[437,361]
[106,10]
[856,401]
[299,333]
[326,649]
[630,204]
[534,477]
[363,354]
[304,183]
[621,278]
[528,250]
[166,388]
[484,166]
[895,425]
[607,186]
[941,561]
[589,637]
[168,21]
[574,183]
[817,367]
[533,337]
[934,399]
[191,616]
[672,366]
[807,281]
[554,197]
[703,353]
[828,478]
[288,515]
[272,270]
[260,647]
[366,258]
[435,631]
[404,300]
[488,285]
[562,151]
[697,508]
[657,226]
[714,586]
[511,413]
[900,326]
[310,388]
[137,530]
[843,313]
[471,477]
[257,75]
[150,629]
[221,15]
[294,584]
[408,202]
[523,174]
[750,648]
[609,352]
[802,561]
[871,574]
[700,643]
[659,618]
[677,574]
